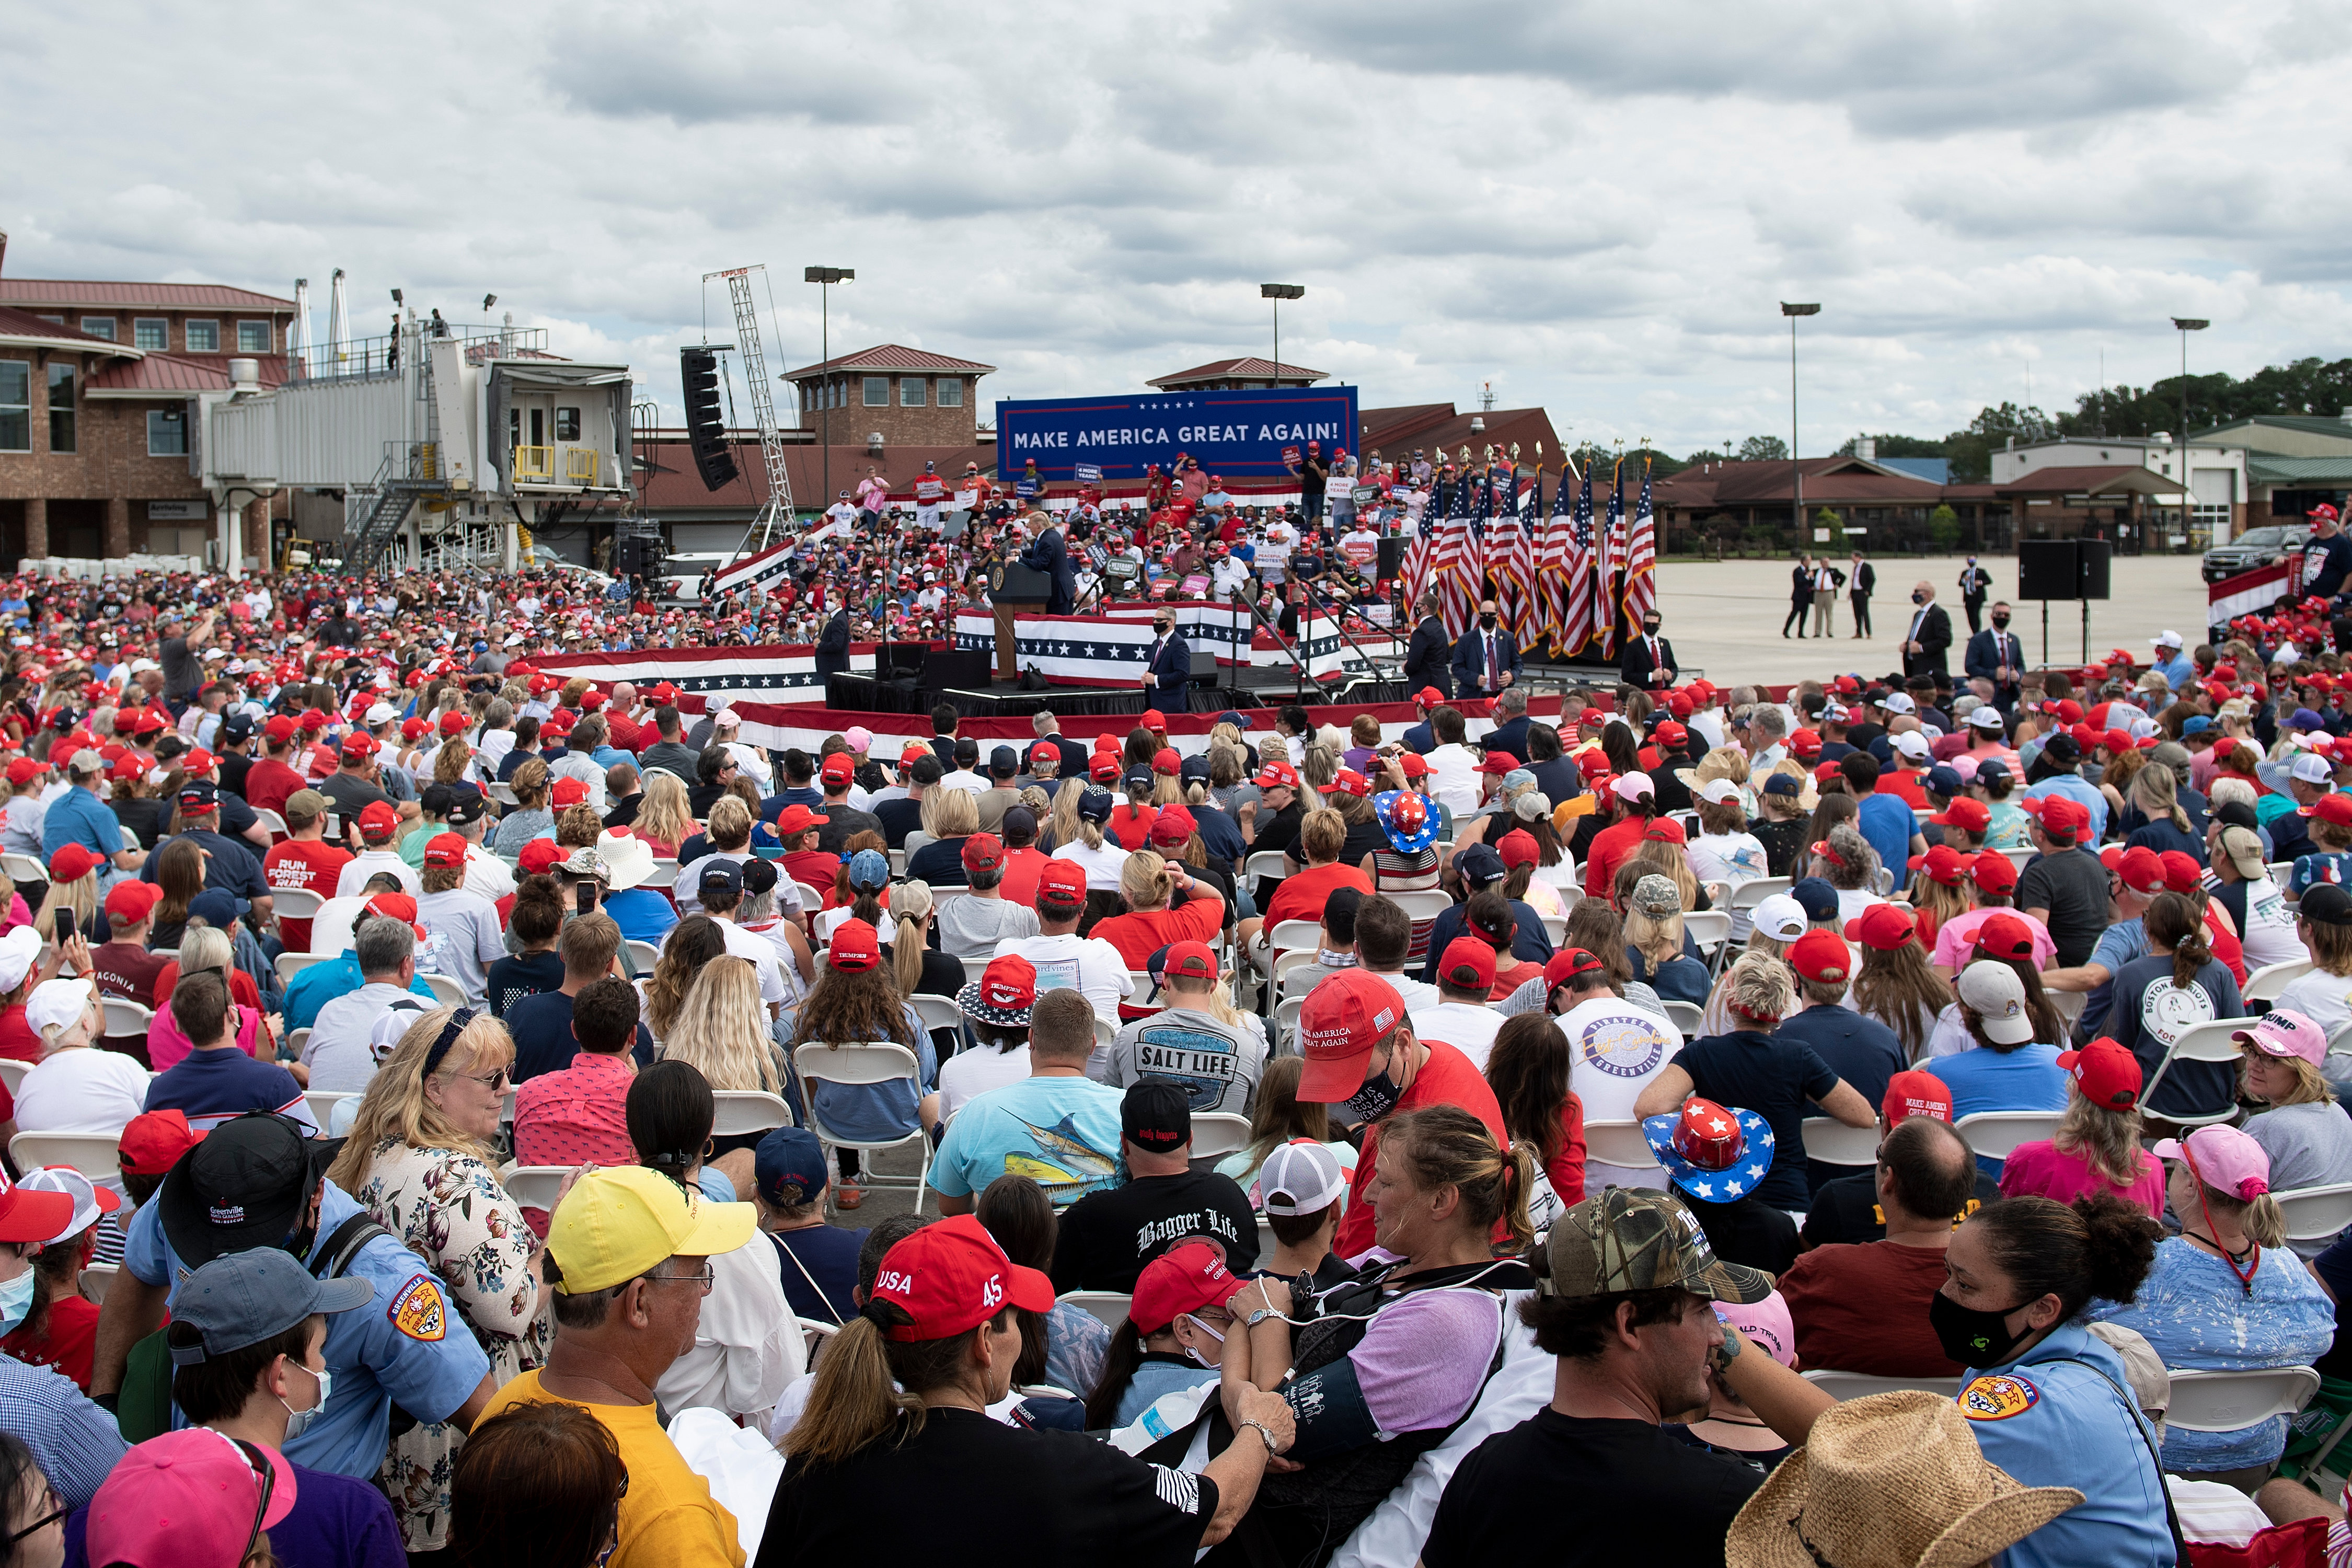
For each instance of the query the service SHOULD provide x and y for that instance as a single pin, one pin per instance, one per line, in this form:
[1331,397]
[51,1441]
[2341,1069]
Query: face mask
[1193,1350]
[298,1421]
[1375,1100]
[1919,598]
[1970,1337]
[1999,621]
[1650,628]
[1487,622]
[16,1300]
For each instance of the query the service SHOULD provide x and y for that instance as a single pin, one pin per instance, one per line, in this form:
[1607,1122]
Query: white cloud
[1595,207]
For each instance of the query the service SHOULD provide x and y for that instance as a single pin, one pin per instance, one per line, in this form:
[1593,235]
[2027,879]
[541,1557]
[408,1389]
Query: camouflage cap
[1624,1239]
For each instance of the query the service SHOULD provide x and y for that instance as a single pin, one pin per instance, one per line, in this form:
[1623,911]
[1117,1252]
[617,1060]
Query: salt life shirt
[1216,1064]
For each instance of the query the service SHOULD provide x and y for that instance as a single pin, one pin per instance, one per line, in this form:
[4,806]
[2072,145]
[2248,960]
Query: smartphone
[586,894]
[65,926]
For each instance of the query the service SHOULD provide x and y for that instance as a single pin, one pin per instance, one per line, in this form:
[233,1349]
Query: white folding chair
[124,1017]
[2208,1042]
[938,1013]
[1845,1385]
[1264,863]
[1687,1016]
[2018,857]
[447,992]
[1832,1143]
[1105,1031]
[898,865]
[1427,904]
[2314,1213]
[272,821]
[94,1154]
[740,1110]
[2227,1401]
[1218,1132]
[534,1186]
[503,794]
[644,955]
[1755,890]
[1292,936]
[1109,1306]
[12,1074]
[321,1103]
[1619,1143]
[24,869]
[2262,986]
[294,903]
[1556,928]
[865,1062]
[291,965]
[1141,996]
[1709,927]
[97,1277]
[1285,1023]
[1995,1135]
[812,897]
[916,840]
[1300,979]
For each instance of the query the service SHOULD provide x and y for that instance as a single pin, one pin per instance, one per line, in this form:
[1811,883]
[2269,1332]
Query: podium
[1013,589]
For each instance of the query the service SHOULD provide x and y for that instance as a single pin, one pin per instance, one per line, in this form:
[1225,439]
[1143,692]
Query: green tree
[1943,527]
[1970,450]
[1893,446]
[1763,449]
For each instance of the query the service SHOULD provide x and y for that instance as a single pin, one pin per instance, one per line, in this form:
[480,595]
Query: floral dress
[448,1208]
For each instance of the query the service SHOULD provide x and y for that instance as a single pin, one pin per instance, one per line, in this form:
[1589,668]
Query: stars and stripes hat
[1718,1155]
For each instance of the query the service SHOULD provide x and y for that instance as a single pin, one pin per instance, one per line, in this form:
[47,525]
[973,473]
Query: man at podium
[1050,554]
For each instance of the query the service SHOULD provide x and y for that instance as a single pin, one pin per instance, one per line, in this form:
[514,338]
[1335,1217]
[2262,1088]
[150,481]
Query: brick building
[101,387]
[907,396]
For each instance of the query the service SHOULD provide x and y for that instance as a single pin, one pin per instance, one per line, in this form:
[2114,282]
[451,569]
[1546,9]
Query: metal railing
[385,355]
[581,465]
[533,465]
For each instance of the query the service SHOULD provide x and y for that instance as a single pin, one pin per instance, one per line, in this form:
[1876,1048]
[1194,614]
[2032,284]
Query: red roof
[889,356]
[1239,370]
[165,374]
[1438,430]
[26,324]
[1828,480]
[132,295]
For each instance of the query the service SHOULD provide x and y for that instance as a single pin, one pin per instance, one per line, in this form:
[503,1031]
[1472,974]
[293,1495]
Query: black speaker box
[2051,569]
[1391,558]
[2094,555]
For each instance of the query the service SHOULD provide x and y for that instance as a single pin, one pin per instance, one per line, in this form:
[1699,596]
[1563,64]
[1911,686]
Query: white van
[683,575]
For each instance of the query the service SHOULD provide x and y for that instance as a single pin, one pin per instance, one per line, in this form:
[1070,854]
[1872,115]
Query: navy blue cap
[790,1167]
[1238,721]
[720,875]
[1991,767]
[1816,898]
[1781,783]
[1479,863]
[1943,778]
[1005,762]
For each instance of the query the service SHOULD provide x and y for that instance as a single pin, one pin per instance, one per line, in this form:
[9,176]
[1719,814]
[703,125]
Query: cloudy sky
[1593,207]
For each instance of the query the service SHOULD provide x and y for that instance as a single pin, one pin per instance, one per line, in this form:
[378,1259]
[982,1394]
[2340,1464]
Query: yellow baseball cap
[620,1222]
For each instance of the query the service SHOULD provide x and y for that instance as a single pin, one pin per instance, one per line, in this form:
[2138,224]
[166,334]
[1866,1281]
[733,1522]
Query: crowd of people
[1304,1149]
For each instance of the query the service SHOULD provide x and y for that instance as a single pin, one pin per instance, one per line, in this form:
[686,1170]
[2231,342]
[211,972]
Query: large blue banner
[1234,435]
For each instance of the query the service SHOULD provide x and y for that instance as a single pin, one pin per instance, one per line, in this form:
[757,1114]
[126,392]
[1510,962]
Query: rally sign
[1255,434]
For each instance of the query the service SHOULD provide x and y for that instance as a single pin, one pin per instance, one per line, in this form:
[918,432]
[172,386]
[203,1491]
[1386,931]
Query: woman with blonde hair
[1060,822]
[73,885]
[2158,819]
[422,1160]
[453,762]
[915,963]
[857,1000]
[2304,1132]
[2096,1148]
[1156,916]
[692,943]
[949,816]
[664,819]
[721,1031]
[203,947]
[1655,945]
[1844,859]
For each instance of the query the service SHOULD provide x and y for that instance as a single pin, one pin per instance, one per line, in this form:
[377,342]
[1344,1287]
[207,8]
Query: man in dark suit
[1649,658]
[1510,732]
[1073,764]
[1995,654]
[1426,657]
[1860,585]
[1167,665]
[1929,637]
[1487,660]
[1800,595]
[833,645]
[1049,554]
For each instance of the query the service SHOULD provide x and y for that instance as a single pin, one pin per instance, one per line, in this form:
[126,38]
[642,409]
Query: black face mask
[1375,1100]
[2000,621]
[1919,598]
[1650,628]
[1970,1337]
[1487,622]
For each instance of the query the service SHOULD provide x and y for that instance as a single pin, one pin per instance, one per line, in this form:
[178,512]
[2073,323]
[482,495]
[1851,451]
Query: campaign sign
[1234,435]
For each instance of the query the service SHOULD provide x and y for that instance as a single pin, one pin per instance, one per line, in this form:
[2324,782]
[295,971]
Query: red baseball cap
[1993,871]
[1671,734]
[29,1215]
[1105,767]
[1166,760]
[983,852]
[378,821]
[1180,1280]
[1468,965]
[557,723]
[2063,819]
[1045,752]
[1517,847]
[795,819]
[2335,808]
[1351,781]
[1565,965]
[1413,765]
[2107,1074]
[396,907]
[1498,763]
[856,947]
[1273,774]
[1883,926]
[1805,745]
[2004,935]
[839,768]
[1172,828]
[1193,959]
[1942,863]
[1062,882]
[72,863]
[358,746]
[445,850]
[127,903]
[1914,1092]
[2140,869]
[413,728]
[1349,1012]
[951,1277]
[1966,813]
[2182,874]
[539,855]
[454,722]
[153,1143]
[569,792]
[280,729]
[1154,720]
[1822,956]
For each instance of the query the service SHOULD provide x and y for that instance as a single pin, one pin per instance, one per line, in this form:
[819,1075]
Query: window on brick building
[167,432]
[910,392]
[16,406]
[950,391]
[878,392]
[99,327]
[203,337]
[253,338]
[61,407]
[153,333]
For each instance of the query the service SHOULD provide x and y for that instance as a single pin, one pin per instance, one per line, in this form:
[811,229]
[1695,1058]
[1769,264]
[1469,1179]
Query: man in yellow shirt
[629,1252]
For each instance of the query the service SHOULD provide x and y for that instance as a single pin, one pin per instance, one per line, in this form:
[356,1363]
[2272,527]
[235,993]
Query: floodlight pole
[1797,474]
[824,277]
[2186,325]
[1278,292]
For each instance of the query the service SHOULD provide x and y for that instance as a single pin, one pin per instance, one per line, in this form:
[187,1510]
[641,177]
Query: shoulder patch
[1997,1396]
[419,1310]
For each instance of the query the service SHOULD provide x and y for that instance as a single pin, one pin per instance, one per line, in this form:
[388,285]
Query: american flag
[1641,558]
[1511,564]
[1577,597]
[1604,615]
[1551,546]
[1418,570]
[1456,571]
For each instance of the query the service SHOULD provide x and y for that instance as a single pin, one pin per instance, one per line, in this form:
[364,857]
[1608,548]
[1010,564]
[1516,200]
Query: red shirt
[1302,898]
[624,731]
[576,1114]
[310,865]
[815,868]
[268,783]
[1021,870]
[1864,1308]
[1612,847]
[69,1341]
[1906,785]
[1567,1171]
[17,1037]
[1445,1078]
[1140,935]
[1132,824]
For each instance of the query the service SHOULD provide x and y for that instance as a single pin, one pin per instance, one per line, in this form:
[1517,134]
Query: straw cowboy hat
[1901,1484]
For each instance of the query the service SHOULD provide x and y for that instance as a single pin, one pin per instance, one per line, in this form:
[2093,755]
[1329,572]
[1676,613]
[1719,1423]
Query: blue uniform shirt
[79,818]
[408,1344]
[2050,1420]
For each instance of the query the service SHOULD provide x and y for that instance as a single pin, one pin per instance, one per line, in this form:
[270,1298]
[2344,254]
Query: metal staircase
[374,513]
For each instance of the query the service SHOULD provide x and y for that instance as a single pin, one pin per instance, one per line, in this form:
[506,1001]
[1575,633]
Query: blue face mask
[297,1421]
[16,1300]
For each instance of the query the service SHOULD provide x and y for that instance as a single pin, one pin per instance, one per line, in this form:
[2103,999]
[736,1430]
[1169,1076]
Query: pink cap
[2282,1033]
[187,1497]
[1767,1323]
[2224,1159]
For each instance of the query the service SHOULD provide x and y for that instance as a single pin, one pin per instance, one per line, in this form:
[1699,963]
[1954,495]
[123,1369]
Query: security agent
[257,1182]
[1168,664]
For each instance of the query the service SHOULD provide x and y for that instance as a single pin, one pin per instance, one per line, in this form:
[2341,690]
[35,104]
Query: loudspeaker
[1391,558]
[706,426]
[2094,555]
[2051,569]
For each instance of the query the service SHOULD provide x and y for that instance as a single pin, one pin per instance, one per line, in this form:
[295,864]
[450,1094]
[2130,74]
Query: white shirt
[1453,778]
[464,939]
[1468,1027]
[762,951]
[963,779]
[1067,962]
[487,875]
[81,1090]
[1418,995]
[968,1074]
[331,927]
[366,863]
[1614,1050]
[747,1343]
[1101,866]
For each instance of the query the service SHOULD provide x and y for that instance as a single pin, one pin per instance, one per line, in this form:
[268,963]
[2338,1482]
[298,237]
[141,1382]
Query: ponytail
[856,1399]
[2173,921]
[1120,1361]
[1519,1180]
[2266,1222]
